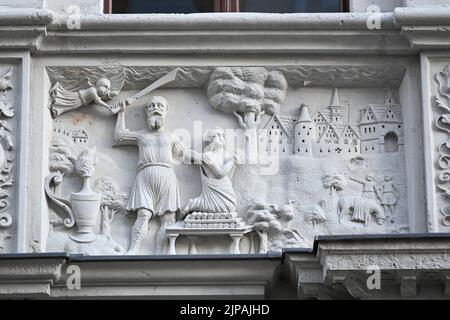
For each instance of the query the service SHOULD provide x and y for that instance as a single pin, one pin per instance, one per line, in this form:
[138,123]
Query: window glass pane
[193,6]
[278,6]
[169,6]
[287,6]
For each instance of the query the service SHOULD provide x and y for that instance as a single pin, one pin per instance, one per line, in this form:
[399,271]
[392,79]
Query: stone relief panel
[181,160]
[8,100]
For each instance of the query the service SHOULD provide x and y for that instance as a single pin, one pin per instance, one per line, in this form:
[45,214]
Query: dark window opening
[391,142]
[196,6]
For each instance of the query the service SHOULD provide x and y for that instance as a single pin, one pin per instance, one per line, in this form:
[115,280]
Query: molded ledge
[45,276]
[422,16]
[226,21]
[425,27]
[412,266]
[222,33]
[25,17]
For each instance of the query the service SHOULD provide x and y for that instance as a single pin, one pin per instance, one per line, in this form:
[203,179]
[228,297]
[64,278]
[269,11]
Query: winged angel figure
[94,89]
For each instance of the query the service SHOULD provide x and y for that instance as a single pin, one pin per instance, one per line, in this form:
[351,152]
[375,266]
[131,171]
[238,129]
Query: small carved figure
[389,195]
[360,208]
[155,190]
[62,100]
[216,170]
[370,190]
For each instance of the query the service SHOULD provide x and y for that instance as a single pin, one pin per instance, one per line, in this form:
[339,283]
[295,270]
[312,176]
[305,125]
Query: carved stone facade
[224,138]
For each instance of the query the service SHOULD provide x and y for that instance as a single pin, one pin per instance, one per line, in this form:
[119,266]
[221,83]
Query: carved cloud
[138,77]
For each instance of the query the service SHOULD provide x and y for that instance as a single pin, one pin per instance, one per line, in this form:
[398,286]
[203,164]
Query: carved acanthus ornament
[6,149]
[443,123]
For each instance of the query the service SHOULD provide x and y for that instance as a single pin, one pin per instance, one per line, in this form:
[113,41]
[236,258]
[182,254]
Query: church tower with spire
[337,111]
[304,133]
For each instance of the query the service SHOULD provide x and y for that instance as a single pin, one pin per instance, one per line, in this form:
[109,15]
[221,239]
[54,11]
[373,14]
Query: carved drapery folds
[442,122]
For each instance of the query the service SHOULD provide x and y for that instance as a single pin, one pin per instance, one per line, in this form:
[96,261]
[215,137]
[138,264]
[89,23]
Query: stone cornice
[29,276]
[226,34]
[226,21]
[23,28]
[405,31]
[25,17]
[337,268]
[425,27]
[422,16]
[201,33]
[41,276]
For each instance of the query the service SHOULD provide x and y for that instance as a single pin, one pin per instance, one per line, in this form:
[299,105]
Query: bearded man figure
[155,190]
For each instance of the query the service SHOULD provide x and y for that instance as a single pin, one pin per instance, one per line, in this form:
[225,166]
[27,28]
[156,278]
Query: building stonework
[272,155]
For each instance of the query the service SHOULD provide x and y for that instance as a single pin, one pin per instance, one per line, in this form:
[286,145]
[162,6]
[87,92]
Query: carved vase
[86,207]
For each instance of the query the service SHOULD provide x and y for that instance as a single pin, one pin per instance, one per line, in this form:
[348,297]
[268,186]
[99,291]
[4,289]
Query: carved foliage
[61,162]
[6,148]
[442,122]
[336,182]
[246,92]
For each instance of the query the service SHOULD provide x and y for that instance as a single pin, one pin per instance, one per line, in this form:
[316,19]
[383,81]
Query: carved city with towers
[328,134]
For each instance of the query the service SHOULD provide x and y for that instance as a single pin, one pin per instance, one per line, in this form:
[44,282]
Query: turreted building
[304,133]
[327,134]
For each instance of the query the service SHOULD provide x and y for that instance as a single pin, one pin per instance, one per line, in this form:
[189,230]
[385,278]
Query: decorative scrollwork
[52,182]
[442,122]
[6,148]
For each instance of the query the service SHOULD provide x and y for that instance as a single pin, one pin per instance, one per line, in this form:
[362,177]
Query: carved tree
[315,214]
[273,226]
[247,93]
[262,219]
[335,183]
[261,228]
[113,201]
[61,163]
